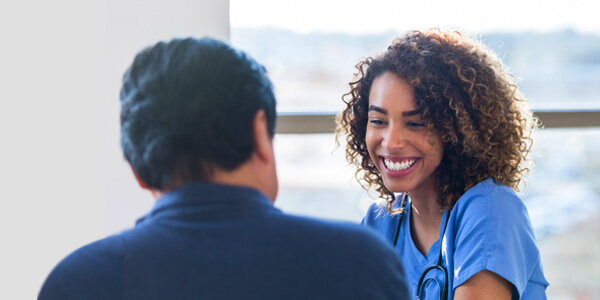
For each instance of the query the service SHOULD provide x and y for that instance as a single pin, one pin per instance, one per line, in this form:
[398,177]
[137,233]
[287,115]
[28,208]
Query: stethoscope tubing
[437,266]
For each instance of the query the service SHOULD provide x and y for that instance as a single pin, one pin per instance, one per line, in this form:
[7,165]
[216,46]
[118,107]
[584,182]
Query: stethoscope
[438,266]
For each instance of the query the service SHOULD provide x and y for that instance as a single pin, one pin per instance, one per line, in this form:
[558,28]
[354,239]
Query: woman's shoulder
[490,192]
[492,231]
[490,187]
[488,206]
[493,216]
[378,216]
[376,213]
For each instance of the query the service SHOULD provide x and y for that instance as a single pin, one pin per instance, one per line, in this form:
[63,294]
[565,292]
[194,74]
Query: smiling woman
[437,119]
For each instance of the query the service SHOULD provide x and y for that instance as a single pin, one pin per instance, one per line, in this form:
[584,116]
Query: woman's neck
[424,203]
[426,218]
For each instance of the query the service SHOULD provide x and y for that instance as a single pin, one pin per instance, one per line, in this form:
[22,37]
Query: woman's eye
[376,122]
[415,124]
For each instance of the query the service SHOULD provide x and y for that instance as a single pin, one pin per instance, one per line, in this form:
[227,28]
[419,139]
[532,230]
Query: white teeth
[397,166]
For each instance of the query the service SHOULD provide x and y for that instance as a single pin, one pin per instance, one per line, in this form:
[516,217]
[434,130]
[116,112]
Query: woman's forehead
[391,94]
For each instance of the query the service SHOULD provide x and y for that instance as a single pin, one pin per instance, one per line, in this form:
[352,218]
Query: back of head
[187,106]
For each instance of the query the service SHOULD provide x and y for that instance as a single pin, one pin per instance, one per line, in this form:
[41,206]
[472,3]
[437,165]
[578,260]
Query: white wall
[63,180]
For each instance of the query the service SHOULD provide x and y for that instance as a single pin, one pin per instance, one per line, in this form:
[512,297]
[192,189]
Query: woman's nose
[394,138]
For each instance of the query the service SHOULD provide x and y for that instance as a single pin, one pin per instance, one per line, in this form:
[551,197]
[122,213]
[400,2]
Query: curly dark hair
[465,95]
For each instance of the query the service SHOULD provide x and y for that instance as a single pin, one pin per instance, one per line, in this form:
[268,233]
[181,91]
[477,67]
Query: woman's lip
[399,173]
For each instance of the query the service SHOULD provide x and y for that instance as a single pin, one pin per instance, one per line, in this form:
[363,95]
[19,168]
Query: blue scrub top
[488,229]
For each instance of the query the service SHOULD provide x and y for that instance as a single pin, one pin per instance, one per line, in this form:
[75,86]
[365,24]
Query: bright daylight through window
[310,49]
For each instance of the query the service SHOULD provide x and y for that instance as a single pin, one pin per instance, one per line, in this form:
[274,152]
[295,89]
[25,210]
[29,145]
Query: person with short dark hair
[197,123]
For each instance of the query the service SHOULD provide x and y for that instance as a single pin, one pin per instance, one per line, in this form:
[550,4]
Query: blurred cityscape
[555,70]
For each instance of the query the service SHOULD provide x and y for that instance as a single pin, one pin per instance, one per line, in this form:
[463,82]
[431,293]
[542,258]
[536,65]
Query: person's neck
[426,218]
[424,202]
[426,211]
[242,176]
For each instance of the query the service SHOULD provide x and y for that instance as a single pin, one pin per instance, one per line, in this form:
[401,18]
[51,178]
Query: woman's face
[399,144]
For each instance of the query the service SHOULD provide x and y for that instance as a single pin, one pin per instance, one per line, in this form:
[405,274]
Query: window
[310,50]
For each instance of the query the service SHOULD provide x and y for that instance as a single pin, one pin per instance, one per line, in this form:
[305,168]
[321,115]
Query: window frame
[305,122]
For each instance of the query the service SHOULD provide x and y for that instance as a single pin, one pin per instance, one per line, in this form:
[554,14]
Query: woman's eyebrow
[378,109]
[405,114]
[412,112]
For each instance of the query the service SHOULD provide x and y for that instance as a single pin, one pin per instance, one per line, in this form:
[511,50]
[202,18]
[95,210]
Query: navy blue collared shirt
[211,241]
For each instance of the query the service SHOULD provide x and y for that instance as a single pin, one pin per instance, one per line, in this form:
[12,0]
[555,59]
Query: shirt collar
[208,197]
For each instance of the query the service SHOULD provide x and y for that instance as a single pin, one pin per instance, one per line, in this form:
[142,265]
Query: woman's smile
[397,167]
[405,151]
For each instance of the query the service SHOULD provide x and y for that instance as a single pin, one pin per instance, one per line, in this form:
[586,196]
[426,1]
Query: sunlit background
[311,47]
[64,180]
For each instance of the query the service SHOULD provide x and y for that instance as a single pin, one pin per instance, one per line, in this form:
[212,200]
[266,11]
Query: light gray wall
[64,182]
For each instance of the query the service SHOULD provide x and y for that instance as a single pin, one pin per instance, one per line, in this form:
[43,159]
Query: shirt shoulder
[490,194]
[341,234]
[376,270]
[90,272]
[381,221]
[376,215]
[492,231]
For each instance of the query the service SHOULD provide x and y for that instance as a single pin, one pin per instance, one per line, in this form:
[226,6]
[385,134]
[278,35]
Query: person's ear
[138,179]
[263,157]
[263,144]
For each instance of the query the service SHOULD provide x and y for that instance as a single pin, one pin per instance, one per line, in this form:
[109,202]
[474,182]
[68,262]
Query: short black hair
[188,105]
